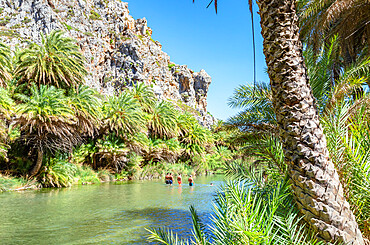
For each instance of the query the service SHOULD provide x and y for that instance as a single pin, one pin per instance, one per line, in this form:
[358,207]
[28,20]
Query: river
[109,213]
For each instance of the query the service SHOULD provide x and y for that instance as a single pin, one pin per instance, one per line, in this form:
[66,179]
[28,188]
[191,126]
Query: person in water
[170,179]
[167,178]
[191,181]
[179,179]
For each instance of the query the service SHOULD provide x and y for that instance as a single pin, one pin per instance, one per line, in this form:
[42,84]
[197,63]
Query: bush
[57,173]
[86,175]
[105,175]
[94,15]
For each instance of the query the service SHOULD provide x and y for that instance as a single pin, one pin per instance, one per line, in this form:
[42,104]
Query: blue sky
[220,44]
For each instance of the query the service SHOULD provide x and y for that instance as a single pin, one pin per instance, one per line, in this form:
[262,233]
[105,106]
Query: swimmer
[191,182]
[179,179]
[167,178]
[170,180]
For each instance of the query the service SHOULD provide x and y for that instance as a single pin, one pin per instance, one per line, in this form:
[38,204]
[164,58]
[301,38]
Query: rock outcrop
[119,50]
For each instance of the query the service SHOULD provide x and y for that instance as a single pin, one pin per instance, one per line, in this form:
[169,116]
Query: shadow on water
[179,221]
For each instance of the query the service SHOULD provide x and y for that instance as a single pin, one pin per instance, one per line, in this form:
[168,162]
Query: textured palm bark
[38,164]
[315,182]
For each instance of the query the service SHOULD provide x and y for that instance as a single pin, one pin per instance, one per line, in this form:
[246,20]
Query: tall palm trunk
[319,194]
[38,164]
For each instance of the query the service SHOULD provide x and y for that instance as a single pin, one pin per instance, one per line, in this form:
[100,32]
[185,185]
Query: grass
[9,183]
[86,175]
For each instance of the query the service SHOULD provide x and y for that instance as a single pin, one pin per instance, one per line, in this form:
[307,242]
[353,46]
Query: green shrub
[86,175]
[57,173]
[94,15]
[170,66]
[105,175]
[133,165]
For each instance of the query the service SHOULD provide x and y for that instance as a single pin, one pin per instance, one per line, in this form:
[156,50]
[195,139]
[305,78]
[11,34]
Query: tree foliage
[57,61]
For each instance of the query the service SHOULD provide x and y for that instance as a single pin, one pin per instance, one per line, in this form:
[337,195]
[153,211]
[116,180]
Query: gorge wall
[119,50]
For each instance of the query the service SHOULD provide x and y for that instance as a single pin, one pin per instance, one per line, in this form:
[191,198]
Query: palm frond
[163,123]
[166,237]
[123,115]
[199,229]
[57,61]
[46,119]
[87,106]
[145,96]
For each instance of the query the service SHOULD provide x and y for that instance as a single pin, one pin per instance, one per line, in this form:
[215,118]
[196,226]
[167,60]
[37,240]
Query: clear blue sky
[220,44]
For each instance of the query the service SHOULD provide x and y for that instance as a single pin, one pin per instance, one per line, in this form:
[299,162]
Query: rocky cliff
[119,50]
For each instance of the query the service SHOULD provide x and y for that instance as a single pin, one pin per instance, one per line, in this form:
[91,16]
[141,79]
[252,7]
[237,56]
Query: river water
[110,213]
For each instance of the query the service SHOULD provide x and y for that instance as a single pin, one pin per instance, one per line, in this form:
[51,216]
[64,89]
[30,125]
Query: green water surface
[111,213]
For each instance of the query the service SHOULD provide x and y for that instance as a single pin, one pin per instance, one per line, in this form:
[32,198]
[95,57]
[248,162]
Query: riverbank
[85,175]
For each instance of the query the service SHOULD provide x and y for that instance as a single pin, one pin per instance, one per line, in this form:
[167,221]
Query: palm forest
[296,158]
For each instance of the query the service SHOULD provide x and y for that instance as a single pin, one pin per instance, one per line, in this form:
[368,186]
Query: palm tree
[347,130]
[323,19]
[6,111]
[315,181]
[328,86]
[87,105]
[171,150]
[6,104]
[150,148]
[57,61]
[46,122]
[5,64]
[163,123]
[195,140]
[145,96]
[122,115]
[113,151]
[185,120]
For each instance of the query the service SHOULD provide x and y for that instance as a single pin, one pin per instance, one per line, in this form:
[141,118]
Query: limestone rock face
[119,50]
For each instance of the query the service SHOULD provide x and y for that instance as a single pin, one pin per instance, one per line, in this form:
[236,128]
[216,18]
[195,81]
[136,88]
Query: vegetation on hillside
[57,131]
